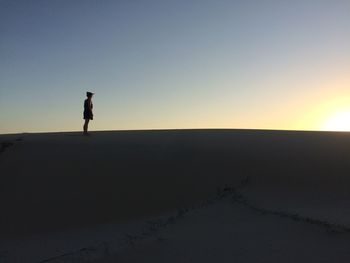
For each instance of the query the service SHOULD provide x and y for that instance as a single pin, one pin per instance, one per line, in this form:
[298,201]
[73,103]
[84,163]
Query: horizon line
[178,129]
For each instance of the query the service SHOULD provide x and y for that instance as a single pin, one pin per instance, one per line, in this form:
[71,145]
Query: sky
[164,64]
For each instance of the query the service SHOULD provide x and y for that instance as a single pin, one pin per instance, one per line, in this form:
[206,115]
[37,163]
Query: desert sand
[175,196]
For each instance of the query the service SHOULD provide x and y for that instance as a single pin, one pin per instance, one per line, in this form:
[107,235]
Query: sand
[175,196]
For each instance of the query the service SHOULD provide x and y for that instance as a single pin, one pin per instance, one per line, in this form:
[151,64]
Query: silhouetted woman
[87,112]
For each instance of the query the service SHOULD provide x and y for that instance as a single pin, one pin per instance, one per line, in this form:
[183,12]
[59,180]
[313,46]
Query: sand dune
[59,182]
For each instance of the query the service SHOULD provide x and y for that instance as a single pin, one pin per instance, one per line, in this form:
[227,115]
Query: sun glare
[340,121]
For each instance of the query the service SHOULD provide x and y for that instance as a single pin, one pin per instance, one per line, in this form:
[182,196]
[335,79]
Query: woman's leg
[86,126]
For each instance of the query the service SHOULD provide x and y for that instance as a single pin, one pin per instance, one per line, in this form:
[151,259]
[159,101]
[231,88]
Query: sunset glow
[340,121]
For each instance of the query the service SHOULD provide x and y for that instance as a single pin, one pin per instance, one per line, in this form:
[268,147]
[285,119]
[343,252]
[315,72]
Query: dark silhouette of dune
[60,181]
[56,181]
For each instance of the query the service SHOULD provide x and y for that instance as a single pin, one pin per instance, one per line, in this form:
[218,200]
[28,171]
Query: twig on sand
[5,145]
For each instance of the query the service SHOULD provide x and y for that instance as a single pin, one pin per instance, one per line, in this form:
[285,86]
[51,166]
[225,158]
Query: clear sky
[158,64]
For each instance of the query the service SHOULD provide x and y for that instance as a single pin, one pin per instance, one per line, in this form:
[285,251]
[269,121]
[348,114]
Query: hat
[89,94]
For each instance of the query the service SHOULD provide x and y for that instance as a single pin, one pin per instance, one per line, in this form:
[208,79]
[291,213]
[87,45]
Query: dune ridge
[58,182]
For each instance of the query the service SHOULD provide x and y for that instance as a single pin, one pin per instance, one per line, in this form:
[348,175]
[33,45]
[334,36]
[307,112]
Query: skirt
[88,115]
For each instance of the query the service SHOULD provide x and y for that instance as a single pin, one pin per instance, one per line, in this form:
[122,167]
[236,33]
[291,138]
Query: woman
[87,112]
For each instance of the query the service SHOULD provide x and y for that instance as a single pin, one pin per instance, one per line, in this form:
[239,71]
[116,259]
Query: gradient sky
[158,64]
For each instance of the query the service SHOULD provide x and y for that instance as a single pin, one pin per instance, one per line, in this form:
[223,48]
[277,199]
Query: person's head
[89,94]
